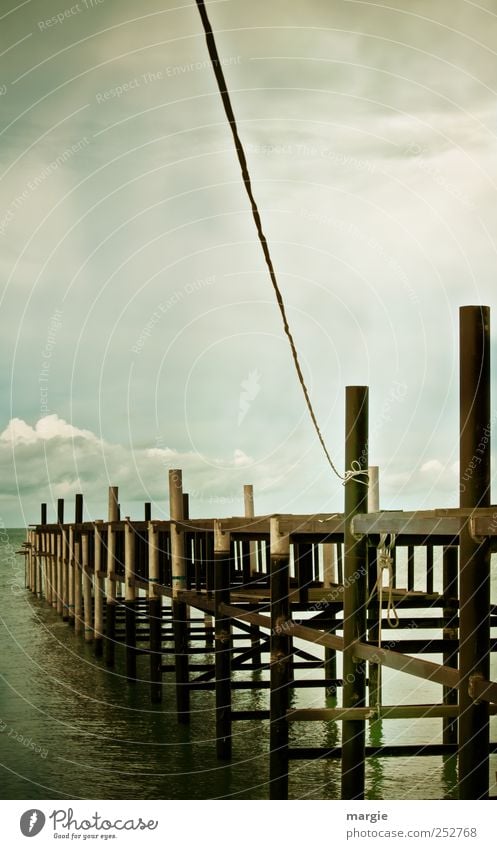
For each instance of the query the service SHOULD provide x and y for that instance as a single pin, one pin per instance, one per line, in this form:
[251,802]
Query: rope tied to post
[356,472]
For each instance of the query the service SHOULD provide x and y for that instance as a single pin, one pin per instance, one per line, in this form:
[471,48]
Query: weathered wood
[155,617]
[223,642]
[280,657]
[474,557]
[178,583]
[110,583]
[355,591]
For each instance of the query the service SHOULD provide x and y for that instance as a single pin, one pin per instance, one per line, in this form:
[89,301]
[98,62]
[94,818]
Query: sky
[139,328]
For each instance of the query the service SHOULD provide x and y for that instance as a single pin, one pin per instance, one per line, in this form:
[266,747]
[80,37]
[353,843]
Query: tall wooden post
[474,561]
[154,616]
[222,573]
[59,555]
[98,591]
[178,566]
[130,600]
[41,577]
[280,661]
[355,591]
[329,578]
[450,632]
[77,573]
[111,588]
[255,633]
[374,613]
[87,586]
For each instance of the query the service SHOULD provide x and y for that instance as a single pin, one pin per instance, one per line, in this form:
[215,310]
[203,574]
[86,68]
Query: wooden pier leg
[78,594]
[53,568]
[111,586]
[76,576]
[98,592]
[255,632]
[450,566]
[178,581]
[41,575]
[86,572]
[222,570]
[130,600]
[70,577]
[66,554]
[374,613]
[59,556]
[280,648]
[474,562]
[329,578]
[355,592]
[154,616]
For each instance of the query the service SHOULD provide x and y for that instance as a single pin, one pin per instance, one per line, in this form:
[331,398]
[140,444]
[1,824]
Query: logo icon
[32,822]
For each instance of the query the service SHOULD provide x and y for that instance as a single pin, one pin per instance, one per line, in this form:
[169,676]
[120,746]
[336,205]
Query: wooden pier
[250,589]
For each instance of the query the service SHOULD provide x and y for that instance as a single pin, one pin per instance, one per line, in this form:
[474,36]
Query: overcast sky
[139,327]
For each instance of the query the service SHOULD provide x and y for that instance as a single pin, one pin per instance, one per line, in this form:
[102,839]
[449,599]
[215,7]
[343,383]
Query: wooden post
[474,561]
[148,511]
[77,576]
[111,588]
[130,600]
[53,568]
[59,555]
[87,585]
[222,570]
[355,591]
[42,579]
[280,657]
[255,633]
[329,578]
[70,577]
[154,616]
[178,581]
[450,612]
[98,591]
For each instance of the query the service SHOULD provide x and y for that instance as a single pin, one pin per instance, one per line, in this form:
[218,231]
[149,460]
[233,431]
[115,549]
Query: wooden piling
[450,632]
[178,581]
[474,560]
[154,617]
[249,509]
[87,588]
[76,575]
[59,556]
[130,600]
[98,592]
[355,591]
[222,570]
[329,578]
[111,587]
[280,661]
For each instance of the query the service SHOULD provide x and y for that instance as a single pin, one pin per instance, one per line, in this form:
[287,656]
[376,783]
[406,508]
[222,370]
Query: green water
[70,728]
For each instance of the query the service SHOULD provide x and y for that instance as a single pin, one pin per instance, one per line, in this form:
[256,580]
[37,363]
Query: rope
[384,563]
[223,91]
